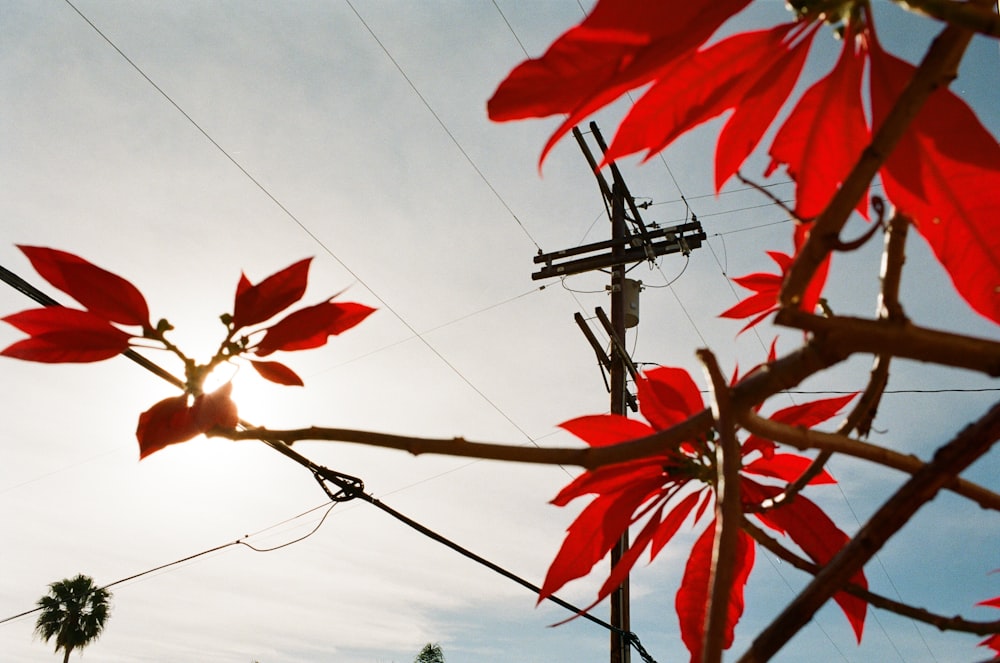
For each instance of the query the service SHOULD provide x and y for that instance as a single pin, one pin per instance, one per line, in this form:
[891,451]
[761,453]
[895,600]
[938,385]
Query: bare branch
[728,513]
[863,413]
[968,15]
[954,623]
[938,68]
[804,439]
[852,335]
[970,444]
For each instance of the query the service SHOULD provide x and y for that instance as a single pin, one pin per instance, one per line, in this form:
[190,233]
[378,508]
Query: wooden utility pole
[620,650]
[626,246]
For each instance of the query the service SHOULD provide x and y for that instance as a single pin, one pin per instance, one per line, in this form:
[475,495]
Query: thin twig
[773,198]
[982,19]
[969,445]
[859,335]
[863,413]
[937,69]
[806,439]
[943,623]
[728,513]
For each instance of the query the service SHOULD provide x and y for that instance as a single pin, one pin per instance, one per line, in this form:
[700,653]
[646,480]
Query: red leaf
[614,479]
[65,335]
[758,107]
[815,412]
[813,531]
[945,174]
[621,45]
[819,158]
[668,396]
[993,642]
[991,603]
[173,420]
[671,524]
[591,536]
[601,430]
[99,291]
[276,372]
[311,327]
[787,467]
[257,303]
[692,597]
[712,81]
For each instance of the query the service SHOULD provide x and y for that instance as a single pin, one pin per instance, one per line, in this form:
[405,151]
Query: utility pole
[620,649]
[627,245]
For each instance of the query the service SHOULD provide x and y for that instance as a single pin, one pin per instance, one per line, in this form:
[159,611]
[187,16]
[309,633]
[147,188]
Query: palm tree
[74,611]
[431,653]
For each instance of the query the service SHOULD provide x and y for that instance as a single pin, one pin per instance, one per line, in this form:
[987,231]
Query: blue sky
[365,129]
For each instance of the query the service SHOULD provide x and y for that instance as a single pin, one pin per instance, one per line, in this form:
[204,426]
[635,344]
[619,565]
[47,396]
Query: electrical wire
[240,541]
[349,488]
[388,307]
[444,126]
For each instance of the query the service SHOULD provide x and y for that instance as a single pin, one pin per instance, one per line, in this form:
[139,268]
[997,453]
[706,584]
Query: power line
[316,239]
[444,126]
[349,488]
[240,541]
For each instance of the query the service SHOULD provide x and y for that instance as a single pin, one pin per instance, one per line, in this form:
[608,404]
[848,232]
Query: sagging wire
[348,488]
[242,541]
[351,487]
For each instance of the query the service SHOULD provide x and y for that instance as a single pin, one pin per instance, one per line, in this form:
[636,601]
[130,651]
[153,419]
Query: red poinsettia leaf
[601,430]
[762,303]
[257,303]
[243,285]
[756,443]
[819,158]
[668,396]
[61,335]
[277,372]
[591,536]
[621,45]
[98,290]
[671,524]
[810,298]
[945,174]
[168,422]
[993,642]
[787,467]
[754,113]
[759,281]
[765,301]
[637,546]
[711,82]
[818,537]
[216,409]
[815,412]
[991,603]
[612,479]
[311,327]
[692,597]
[182,418]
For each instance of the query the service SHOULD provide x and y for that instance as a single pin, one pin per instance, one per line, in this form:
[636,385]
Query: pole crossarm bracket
[681,238]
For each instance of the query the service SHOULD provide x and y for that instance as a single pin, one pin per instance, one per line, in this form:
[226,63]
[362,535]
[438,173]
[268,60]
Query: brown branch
[773,198]
[863,413]
[981,19]
[728,513]
[943,623]
[938,68]
[903,339]
[805,439]
[969,445]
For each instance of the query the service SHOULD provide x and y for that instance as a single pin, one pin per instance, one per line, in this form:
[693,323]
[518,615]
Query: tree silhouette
[74,611]
[431,653]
